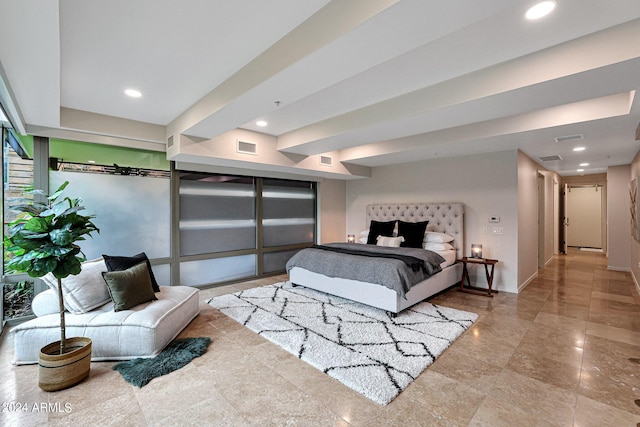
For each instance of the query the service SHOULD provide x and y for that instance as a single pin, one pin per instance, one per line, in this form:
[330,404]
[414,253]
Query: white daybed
[142,330]
[445,218]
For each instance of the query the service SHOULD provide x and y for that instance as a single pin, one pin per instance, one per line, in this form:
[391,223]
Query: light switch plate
[494,219]
[497,230]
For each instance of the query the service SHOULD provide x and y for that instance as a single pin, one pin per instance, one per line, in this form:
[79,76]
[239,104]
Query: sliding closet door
[288,220]
[217,228]
[237,227]
[217,214]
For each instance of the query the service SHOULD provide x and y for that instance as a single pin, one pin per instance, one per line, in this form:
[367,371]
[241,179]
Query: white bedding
[449,257]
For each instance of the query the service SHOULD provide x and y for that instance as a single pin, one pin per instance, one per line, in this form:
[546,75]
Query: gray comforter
[391,273]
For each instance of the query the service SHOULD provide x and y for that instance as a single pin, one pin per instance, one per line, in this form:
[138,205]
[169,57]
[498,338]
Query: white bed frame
[443,217]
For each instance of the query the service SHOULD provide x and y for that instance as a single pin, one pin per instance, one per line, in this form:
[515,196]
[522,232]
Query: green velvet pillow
[129,287]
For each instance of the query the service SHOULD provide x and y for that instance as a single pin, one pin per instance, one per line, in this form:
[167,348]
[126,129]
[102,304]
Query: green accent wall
[81,152]
[27,143]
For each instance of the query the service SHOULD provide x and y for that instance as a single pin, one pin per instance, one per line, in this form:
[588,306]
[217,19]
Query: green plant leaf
[66,266]
[33,209]
[59,191]
[61,237]
[56,250]
[37,224]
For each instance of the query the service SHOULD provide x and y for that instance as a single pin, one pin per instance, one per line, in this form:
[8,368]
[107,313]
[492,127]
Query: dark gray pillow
[118,263]
[379,228]
[129,287]
[413,233]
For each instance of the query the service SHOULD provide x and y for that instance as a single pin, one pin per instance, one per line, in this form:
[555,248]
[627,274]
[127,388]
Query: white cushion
[432,236]
[45,302]
[390,241]
[85,291]
[431,246]
[142,331]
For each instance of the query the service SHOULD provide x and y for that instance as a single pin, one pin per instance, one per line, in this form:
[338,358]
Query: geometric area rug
[361,346]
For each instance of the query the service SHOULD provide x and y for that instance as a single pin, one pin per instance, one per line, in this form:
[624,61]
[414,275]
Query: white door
[584,217]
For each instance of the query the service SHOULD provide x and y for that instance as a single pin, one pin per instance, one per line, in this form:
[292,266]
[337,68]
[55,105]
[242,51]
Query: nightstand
[488,272]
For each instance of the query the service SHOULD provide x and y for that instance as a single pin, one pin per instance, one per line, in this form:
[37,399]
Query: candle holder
[351,238]
[476,250]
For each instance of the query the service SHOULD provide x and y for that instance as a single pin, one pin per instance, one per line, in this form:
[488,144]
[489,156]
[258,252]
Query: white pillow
[365,233]
[393,242]
[436,237]
[433,246]
[46,302]
[85,291]
[363,240]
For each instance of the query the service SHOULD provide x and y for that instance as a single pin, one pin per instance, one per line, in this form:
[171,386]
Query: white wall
[486,183]
[527,219]
[551,213]
[635,246]
[619,217]
[331,207]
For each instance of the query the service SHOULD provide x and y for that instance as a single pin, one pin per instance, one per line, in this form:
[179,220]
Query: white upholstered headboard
[443,217]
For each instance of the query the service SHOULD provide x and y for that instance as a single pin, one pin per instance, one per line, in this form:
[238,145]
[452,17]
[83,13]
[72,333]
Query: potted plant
[43,240]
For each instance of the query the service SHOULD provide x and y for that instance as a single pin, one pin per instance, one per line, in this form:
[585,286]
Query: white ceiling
[377,81]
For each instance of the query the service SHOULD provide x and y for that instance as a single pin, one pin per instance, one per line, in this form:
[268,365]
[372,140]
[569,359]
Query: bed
[446,218]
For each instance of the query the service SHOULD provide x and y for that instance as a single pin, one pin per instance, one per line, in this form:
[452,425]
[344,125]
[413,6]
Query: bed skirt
[377,295]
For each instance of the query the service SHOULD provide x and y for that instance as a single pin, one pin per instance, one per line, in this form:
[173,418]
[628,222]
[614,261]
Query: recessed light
[584,164]
[261,123]
[579,149]
[133,93]
[91,161]
[580,170]
[540,9]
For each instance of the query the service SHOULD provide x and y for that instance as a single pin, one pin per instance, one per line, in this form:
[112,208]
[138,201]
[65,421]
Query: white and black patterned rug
[360,346]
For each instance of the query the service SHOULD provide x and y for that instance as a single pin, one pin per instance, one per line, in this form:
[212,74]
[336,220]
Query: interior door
[584,217]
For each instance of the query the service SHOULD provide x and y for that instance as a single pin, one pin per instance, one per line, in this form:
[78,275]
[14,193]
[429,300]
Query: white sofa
[142,331]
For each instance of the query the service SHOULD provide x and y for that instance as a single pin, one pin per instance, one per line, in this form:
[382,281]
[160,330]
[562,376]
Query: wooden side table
[465,276]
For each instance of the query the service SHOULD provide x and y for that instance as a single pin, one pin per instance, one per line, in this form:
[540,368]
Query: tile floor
[557,354]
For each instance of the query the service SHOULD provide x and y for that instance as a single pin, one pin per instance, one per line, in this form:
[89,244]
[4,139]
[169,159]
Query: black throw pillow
[120,263]
[378,228]
[413,233]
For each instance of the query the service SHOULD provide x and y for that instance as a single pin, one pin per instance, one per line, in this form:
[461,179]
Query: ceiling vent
[246,147]
[550,158]
[326,161]
[569,138]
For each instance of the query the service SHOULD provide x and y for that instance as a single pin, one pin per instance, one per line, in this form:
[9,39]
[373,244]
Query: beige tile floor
[554,355]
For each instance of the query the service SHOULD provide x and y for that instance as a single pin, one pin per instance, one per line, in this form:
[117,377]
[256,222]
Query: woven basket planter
[59,371]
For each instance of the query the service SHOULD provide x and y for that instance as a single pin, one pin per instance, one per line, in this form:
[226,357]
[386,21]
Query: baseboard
[526,282]
[623,269]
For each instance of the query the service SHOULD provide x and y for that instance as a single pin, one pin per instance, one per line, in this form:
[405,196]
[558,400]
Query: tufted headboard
[443,217]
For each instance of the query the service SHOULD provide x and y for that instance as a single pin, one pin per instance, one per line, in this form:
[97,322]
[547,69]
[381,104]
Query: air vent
[246,147]
[550,158]
[569,138]
[170,142]
[326,161]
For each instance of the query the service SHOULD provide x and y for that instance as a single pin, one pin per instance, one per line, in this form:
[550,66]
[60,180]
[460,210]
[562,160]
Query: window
[18,176]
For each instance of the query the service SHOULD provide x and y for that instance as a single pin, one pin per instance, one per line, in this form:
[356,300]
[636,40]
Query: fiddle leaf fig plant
[43,239]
